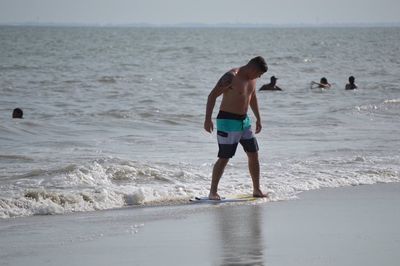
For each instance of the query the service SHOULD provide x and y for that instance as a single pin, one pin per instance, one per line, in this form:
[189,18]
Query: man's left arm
[256,111]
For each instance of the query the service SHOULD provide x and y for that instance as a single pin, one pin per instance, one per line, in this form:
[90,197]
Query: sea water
[114,116]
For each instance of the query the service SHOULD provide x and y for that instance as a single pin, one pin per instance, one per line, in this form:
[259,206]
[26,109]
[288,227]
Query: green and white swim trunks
[231,130]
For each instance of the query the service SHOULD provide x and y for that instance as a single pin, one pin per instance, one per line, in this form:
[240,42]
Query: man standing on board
[238,90]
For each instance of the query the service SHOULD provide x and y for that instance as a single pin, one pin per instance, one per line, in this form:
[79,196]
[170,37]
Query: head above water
[17,113]
[323,81]
[351,79]
[273,79]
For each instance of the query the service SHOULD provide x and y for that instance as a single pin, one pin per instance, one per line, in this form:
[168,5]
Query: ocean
[113,116]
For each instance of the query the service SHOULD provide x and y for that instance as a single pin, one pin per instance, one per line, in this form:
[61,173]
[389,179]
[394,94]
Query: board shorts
[231,130]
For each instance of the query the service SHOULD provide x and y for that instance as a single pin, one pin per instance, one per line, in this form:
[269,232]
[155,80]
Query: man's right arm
[223,84]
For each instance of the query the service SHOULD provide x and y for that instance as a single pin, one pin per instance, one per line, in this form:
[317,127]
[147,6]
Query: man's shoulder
[232,72]
[351,86]
[226,79]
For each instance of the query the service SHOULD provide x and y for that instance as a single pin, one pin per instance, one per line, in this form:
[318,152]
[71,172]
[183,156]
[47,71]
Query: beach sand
[341,226]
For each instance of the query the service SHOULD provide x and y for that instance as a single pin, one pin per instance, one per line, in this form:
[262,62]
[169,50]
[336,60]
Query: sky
[166,12]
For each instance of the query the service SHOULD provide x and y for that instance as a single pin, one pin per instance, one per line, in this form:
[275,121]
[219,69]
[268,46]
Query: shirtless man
[238,87]
[351,85]
[270,86]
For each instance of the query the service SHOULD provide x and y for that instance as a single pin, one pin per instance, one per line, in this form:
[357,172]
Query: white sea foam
[106,184]
[393,101]
[387,106]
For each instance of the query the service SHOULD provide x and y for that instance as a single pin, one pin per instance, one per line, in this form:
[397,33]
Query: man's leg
[218,170]
[254,168]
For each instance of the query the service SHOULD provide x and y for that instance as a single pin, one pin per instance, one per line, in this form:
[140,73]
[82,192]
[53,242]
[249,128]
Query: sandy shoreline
[343,226]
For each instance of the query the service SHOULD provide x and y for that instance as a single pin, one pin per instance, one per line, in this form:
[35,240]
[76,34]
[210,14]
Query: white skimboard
[236,198]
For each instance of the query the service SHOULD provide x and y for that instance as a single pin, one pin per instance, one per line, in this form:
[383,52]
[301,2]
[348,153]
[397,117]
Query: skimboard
[235,198]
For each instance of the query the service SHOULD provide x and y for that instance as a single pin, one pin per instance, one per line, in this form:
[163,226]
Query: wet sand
[341,226]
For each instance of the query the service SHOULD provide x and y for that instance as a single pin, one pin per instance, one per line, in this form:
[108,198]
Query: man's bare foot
[214,196]
[257,193]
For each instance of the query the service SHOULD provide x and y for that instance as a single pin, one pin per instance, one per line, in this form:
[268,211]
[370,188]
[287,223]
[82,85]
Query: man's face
[255,74]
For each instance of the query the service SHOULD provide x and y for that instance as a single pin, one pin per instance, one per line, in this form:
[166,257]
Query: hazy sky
[200,11]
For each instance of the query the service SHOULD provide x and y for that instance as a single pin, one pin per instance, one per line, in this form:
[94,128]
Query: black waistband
[228,115]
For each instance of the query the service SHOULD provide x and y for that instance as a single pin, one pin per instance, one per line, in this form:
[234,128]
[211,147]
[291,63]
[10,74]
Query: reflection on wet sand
[239,236]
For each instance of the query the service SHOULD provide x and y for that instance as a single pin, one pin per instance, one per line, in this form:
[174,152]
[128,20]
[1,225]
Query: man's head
[257,66]
[273,79]
[17,113]
[351,79]
[324,81]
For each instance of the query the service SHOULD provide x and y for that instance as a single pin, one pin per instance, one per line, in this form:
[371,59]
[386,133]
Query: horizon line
[205,25]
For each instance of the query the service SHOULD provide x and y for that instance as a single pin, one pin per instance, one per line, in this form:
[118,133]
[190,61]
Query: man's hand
[258,127]
[208,125]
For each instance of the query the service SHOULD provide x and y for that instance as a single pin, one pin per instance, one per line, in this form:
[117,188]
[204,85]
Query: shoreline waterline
[330,226]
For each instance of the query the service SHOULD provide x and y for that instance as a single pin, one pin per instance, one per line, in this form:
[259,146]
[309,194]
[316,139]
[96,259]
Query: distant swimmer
[238,90]
[271,86]
[323,84]
[17,113]
[351,85]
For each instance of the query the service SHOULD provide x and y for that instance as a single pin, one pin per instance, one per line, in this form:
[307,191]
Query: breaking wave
[114,183]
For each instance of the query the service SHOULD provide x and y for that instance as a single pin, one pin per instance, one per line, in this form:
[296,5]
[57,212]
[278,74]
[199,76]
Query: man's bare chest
[242,88]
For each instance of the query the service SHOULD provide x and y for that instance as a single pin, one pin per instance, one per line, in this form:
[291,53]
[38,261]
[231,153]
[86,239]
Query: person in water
[351,85]
[271,86]
[323,84]
[238,90]
[17,113]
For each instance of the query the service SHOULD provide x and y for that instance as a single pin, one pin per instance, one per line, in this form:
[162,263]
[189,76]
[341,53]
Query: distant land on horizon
[205,25]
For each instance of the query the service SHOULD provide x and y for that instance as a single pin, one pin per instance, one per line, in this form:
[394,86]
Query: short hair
[351,78]
[260,63]
[324,80]
[17,113]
